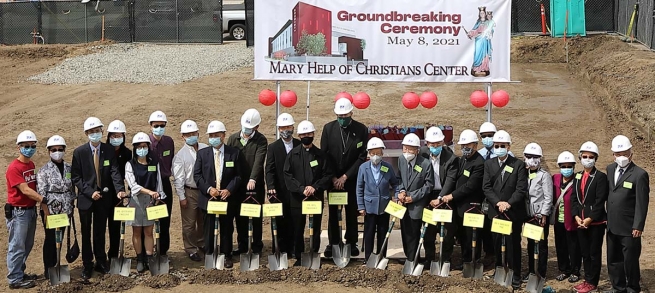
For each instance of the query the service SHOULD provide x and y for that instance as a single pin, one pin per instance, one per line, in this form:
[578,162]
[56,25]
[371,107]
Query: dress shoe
[195,257]
[328,251]
[516,283]
[354,250]
[22,285]
[32,277]
[86,273]
[228,263]
[102,268]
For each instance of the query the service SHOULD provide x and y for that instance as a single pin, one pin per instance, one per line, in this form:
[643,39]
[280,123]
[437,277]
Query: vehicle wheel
[238,32]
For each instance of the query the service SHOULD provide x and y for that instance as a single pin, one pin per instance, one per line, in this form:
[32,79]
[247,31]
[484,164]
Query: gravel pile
[148,63]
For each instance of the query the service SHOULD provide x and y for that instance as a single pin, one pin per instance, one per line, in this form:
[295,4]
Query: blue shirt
[375,169]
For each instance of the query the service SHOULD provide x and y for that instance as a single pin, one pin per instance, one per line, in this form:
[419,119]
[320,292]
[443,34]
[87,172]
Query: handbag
[554,208]
[72,252]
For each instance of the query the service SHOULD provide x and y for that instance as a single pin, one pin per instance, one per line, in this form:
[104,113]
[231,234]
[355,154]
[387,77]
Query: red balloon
[411,100]
[361,100]
[343,95]
[429,100]
[500,98]
[288,98]
[267,97]
[479,99]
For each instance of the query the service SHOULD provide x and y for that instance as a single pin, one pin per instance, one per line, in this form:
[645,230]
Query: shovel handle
[441,233]
[249,226]
[58,236]
[311,226]
[536,250]
[274,225]
[393,222]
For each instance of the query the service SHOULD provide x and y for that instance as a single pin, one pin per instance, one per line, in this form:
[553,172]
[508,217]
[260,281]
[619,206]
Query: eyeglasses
[500,146]
[56,150]
[29,146]
[531,157]
[587,157]
[566,166]
[486,135]
[159,126]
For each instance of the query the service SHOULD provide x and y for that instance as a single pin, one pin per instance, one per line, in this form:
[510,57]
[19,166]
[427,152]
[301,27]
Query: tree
[311,44]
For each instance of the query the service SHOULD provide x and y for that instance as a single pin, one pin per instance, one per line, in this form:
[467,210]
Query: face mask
[27,152]
[116,141]
[588,163]
[286,134]
[436,150]
[307,140]
[532,163]
[467,151]
[409,156]
[376,160]
[501,152]
[57,156]
[142,152]
[488,142]
[191,140]
[159,131]
[247,131]
[622,161]
[95,137]
[214,141]
[345,121]
[566,172]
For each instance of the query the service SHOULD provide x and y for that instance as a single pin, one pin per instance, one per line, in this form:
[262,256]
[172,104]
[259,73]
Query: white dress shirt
[221,157]
[183,168]
[435,165]
[616,172]
[288,145]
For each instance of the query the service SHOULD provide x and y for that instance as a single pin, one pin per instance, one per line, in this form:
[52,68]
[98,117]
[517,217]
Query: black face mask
[307,140]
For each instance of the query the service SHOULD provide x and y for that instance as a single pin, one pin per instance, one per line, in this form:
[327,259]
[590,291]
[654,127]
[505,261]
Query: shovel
[120,265]
[158,263]
[536,281]
[341,251]
[473,269]
[415,268]
[375,261]
[503,275]
[59,274]
[249,261]
[215,260]
[277,261]
[440,268]
[310,259]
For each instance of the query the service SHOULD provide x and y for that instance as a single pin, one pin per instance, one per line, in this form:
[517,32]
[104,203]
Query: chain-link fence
[526,15]
[635,19]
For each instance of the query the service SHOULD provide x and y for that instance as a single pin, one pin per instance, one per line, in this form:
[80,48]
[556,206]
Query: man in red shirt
[20,211]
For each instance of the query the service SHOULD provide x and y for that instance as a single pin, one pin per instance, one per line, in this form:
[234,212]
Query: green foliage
[311,44]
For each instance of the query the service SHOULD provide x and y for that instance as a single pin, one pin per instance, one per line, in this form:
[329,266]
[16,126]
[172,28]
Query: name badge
[166,153]
[467,173]
[384,169]
[360,144]
[509,169]
[106,163]
[578,176]
[229,164]
[418,168]
[313,163]
[532,175]
[627,185]
[152,168]
[68,175]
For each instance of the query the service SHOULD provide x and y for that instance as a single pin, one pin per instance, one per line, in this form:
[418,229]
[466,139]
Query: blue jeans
[21,239]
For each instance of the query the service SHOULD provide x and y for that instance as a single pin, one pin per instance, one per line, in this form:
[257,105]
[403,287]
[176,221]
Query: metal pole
[277,109]
[308,87]
[489,102]
[86,27]
[177,22]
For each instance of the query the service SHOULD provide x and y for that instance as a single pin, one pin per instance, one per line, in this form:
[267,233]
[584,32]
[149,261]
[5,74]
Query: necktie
[502,173]
[620,174]
[96,163]
[409,170]
[488,155]
[217,168]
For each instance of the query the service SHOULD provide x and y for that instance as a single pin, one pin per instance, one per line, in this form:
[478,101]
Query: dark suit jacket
[627,202]
[417,185]
[511,188]
[469,185]
[345,161]
[275,158]
[83,175]
[251,159]
[448,164]
[592,204]
[205,175]
[299,172]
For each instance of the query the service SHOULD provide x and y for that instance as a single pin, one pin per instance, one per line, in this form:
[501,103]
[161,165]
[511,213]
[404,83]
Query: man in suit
[468,190]
[416,183]
[217,175]
[277,188]
[505,186]
[94,171]
[444,165]
[344,141]
[627,207]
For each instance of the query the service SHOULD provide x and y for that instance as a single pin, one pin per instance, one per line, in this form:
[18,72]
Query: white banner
[383,40]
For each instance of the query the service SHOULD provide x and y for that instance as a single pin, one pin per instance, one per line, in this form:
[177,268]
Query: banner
[383,40]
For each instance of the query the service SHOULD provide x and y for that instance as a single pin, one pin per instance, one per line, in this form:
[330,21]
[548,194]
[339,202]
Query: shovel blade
[468,270]
[310,260]
[445,269]
[535,284]
[219,264]
[418,270]
[120,266]
[383,264]
[210,262]
[373,261]
[500,276]
[275,264]
[249,262]
[508,278]
[341,255]
[408,267]
[59,275]
[478,271]
[435,268]
[159,265]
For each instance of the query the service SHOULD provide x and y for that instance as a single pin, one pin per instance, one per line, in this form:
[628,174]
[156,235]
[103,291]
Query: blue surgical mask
[142,152]
[488,142]
[95,137]
[27,152]
[436,150]
[247,131]
[214,141]
[566,172]
[191,140]
[159,131]
[116,141]
[501,152]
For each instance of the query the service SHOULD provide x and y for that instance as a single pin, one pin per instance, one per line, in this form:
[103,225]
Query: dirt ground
[606,89]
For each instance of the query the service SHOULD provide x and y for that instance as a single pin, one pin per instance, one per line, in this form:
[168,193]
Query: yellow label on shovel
[395,210]
[124,214]
[57,221]
[501,226]
[157,212]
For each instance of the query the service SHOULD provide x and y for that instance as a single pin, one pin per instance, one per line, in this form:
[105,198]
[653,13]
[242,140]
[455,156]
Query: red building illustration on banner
[311,20]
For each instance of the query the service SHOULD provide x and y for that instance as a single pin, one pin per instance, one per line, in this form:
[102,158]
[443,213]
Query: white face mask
[588,163]
[533,162]
[56,156]
[409,156]
[622,161]
[376,160]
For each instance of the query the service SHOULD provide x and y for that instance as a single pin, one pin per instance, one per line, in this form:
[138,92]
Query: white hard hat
[305,127]
[621,143]
[434,134]
[285,119]
[487,127]
[216,126]
[116,126]
[412,139]
[157,116]
[188,126]
[565,157]
[589,147]
[251,118]
[374,143]
[502,136]
[343,106]
[140,137]
[92,122]
[533,149]
[467,136]
[26,136]
[55,140]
